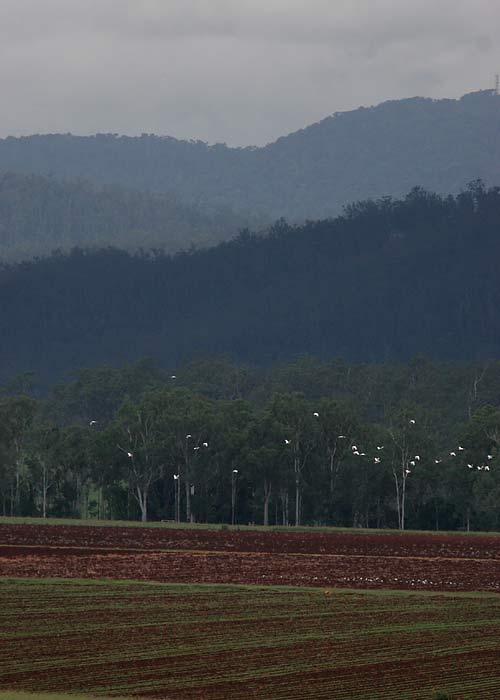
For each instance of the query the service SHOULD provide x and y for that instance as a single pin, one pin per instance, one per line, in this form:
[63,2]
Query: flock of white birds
[416,458]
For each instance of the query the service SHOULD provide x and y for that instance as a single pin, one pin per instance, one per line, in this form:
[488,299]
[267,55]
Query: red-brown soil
[417,562]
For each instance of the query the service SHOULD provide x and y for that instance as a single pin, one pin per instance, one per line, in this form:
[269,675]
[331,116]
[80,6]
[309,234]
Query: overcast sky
[239,71]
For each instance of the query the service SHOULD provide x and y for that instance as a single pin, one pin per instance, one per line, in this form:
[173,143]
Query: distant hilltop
[369,152]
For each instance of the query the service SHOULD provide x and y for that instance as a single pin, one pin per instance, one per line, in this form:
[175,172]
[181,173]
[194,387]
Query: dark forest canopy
[389,280]
[41,214]
[366,153]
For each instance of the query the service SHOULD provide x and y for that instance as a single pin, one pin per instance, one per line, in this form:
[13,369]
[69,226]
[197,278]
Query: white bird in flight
[377,460]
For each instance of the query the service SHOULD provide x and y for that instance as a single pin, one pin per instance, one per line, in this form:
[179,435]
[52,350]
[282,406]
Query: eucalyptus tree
[189,418]
[339,428]
[408,437]
[44,464]
[17,414]
[143,430]
[299,431]
[227,466]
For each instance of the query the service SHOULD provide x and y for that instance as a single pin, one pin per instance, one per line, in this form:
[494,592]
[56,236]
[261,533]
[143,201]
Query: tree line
[301,444]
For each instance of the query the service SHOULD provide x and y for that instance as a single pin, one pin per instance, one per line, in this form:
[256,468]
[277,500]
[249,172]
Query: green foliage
[108,444]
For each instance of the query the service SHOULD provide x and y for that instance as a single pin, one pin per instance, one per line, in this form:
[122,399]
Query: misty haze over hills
[386,280]
[370,152]
[40,214]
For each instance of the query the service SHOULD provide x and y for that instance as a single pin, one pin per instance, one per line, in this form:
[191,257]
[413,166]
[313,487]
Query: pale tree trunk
[396,481]
[284,507]
[189,514]
[297,471]
[267,497]
[142,499]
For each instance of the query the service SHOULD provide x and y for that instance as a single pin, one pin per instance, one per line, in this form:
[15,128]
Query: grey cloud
[241,71]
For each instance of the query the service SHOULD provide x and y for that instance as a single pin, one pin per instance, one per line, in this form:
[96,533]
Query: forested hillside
[41,214]
[387,281]
[369,152]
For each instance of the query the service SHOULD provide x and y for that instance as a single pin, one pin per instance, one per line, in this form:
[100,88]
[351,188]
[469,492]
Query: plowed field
[415,562]
[214,643]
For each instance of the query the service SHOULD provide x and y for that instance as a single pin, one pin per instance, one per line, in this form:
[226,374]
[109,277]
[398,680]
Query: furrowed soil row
[238,642]
[286,542]
[256,568]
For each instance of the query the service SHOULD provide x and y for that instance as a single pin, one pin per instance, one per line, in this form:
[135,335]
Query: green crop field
[184,642]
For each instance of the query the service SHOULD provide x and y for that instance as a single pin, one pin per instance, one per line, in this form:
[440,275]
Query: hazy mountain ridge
[369,152]
[40,214]
[388,281]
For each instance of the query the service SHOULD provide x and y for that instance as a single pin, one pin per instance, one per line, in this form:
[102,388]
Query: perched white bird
[490,456]
[453,454]
[205,444]
[437,461]
[487,468]
[471,466]
[377,460]
[407,471]
[380,447]
[362,454]
[93,422]
[355,452]
[235,471]
[129,454]
[188,436]
[480,469]
[417,457]
[341,437]
[287,442]
[316,414]
[354,448]
[412,463]
[412,421]
[172,376]
[196,448]
[176,476]
[460,449]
